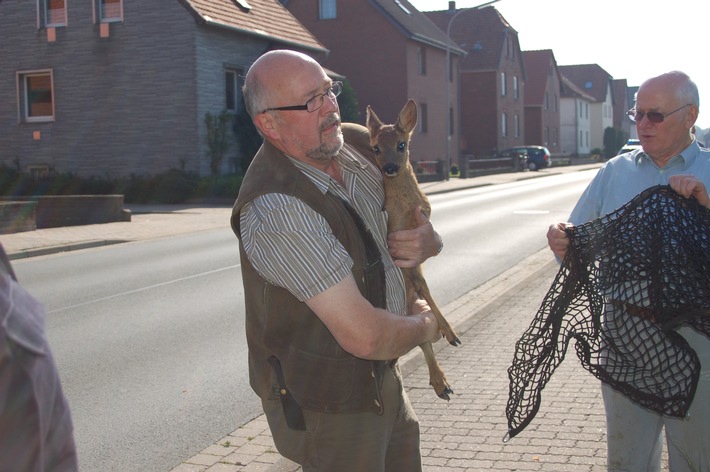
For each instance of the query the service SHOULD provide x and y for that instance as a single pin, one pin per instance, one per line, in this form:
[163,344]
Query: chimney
[452,6]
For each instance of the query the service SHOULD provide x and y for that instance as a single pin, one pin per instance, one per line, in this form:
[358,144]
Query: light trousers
[635,434]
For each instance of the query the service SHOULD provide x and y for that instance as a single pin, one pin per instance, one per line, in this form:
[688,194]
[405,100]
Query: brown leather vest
[316,371]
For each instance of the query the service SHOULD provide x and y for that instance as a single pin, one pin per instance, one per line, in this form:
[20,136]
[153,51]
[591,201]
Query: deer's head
[391,142]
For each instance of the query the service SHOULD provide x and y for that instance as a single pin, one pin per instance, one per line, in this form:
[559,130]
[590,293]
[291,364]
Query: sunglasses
[653,116]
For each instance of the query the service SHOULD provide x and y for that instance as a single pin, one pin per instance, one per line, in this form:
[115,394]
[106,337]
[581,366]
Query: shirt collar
[349,166]
[686,157]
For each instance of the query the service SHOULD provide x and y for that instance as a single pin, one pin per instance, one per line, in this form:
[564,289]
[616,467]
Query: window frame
[98,12]
[43,15]
[421,61]
[503,85]
[233,76]
[23,96]
[327,10]
[423,118]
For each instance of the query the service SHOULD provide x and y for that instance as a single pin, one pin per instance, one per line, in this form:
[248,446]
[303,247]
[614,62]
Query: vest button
[377,403]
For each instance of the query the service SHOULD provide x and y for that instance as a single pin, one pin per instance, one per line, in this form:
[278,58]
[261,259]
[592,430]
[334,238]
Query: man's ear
[692,115]
[266,124]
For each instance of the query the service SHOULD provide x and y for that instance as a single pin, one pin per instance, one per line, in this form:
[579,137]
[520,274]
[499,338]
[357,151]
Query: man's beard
[328,149]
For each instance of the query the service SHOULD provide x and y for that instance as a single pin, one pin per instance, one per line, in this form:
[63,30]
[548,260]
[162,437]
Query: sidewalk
[464,434]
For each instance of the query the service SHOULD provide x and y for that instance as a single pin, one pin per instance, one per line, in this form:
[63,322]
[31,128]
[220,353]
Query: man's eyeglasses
[314,103]
[653,116]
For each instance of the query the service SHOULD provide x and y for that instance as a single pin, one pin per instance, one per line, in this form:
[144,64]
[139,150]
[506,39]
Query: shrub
[173,186]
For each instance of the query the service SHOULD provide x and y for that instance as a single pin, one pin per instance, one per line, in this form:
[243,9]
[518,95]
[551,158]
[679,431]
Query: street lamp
[447,171]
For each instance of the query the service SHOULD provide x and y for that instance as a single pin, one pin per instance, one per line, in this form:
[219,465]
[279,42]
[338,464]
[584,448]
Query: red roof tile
[265,18]
[537,68]
[591,78]
[478,32]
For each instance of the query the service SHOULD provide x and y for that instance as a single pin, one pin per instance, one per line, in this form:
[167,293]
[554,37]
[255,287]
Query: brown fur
[402,195]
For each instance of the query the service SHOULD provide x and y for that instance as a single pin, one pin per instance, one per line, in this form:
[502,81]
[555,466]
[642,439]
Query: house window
[503,85]
[516,90]
[547,135]
[504,125]
[421,61]
[517,125]
[451,121]
[554,136]
[327,10]
[232,88]
[110,10]
[55,13]
[35,96]
[423,118]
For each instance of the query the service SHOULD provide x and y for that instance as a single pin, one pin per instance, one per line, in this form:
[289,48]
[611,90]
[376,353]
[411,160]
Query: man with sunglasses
[665,111]
[323,294]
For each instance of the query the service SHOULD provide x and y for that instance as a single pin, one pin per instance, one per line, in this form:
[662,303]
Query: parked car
[520,158]
[631,145]
[538,156]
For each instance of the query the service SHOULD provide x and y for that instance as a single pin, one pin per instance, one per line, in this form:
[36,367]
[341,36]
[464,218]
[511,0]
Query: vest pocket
[315,379]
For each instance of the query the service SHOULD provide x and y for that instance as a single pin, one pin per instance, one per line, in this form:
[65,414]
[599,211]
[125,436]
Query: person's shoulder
[356,134]
[358,137]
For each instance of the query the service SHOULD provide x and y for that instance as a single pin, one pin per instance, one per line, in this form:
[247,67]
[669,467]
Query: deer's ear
[372,122]
[407,119]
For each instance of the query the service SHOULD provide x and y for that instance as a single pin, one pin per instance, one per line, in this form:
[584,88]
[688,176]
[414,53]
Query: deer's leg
[421,288]
[437,379]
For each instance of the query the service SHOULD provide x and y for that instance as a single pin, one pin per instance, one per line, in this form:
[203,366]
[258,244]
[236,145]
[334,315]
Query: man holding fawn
[324,297]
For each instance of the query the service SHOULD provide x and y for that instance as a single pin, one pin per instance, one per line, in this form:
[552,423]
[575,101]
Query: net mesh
[627,280]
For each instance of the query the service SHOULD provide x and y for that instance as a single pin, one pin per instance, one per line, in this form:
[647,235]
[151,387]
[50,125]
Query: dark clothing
[280,326]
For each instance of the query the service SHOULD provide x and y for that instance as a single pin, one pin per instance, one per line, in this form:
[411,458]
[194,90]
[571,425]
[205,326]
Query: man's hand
[690,186]
[557,239]
[411,247]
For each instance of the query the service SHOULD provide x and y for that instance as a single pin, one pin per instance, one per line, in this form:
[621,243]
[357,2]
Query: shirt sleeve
[292,246]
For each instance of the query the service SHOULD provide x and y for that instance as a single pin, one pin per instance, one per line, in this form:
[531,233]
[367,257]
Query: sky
[630,39]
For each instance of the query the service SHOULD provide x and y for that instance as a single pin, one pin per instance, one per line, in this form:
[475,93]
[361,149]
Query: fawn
[390,144]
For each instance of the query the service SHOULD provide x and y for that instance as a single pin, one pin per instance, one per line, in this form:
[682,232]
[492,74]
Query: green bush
[173,186]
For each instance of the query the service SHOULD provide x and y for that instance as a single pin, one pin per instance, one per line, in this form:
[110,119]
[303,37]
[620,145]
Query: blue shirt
[625,176]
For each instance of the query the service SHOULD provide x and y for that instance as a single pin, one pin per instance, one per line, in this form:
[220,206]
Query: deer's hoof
[445,394]
[455,342]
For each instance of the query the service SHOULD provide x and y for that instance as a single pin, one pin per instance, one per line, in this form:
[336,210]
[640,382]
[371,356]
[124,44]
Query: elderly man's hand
[557,239]
[411,247]
[690,186]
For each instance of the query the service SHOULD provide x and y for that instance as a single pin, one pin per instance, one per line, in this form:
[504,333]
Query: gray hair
[688,91]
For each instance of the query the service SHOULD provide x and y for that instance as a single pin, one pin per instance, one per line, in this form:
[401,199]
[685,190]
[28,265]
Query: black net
[627,280]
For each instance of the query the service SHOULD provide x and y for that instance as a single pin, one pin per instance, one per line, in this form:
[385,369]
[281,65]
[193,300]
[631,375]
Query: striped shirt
[292,246]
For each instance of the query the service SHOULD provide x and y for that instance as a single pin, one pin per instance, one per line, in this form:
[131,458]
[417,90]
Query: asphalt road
[149,335]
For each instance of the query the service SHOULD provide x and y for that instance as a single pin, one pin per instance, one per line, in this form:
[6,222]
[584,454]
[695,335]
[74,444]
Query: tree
[217,139]
[348,103]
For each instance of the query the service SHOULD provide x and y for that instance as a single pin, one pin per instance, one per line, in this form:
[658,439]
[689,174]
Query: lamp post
[447,170]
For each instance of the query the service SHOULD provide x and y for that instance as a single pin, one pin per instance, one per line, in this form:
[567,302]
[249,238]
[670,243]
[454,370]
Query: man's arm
[368,332]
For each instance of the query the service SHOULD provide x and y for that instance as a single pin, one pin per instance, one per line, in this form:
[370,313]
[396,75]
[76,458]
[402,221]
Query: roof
[415,24]
[537,68]
[479,32]
[570,90]
[264,18]
[591,78]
